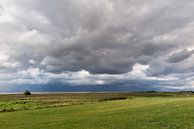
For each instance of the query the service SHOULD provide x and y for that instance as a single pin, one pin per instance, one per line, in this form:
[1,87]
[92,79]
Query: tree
[27,92]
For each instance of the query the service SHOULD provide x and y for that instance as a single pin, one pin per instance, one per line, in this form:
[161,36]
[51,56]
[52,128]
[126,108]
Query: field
[98,111]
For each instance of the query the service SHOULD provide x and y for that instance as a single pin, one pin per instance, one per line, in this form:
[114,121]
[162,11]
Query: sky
[101,45]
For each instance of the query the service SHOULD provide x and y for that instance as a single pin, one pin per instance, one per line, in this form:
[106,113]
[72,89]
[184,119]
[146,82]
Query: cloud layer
[146,43]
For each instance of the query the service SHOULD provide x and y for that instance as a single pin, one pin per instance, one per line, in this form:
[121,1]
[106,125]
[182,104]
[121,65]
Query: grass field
[96,111]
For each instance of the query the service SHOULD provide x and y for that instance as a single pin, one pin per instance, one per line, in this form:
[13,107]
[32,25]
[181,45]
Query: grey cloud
[101,37]
[180,56]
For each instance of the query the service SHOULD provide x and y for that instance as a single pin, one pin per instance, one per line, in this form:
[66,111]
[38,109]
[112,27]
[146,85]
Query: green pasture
[98,112]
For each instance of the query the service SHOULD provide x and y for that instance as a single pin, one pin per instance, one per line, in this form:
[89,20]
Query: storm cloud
[104,42]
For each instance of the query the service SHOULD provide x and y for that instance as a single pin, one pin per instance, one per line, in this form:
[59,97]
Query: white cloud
[139,70]
[6,63]
[31,61]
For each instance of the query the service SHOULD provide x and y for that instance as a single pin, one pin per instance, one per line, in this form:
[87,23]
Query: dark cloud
[104,37]
[180,56]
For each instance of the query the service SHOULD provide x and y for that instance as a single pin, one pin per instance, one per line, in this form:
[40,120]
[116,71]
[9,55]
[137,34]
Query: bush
[113,98]
[27,92]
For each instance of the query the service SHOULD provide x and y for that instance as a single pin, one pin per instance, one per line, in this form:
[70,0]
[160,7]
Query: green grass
[21,102]
[18,102]
[136,113]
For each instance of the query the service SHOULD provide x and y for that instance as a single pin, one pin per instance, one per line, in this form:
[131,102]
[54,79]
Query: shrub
[113,98]
[27,92]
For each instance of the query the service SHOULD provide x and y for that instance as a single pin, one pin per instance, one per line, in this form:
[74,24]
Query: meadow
[98,111]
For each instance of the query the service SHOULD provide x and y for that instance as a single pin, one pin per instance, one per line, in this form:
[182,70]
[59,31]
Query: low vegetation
[98,111]
[36,101]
